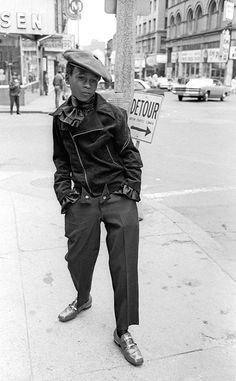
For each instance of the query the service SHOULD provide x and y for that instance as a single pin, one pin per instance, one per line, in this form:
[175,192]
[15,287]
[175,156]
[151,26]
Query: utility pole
[126,14]
[125,51]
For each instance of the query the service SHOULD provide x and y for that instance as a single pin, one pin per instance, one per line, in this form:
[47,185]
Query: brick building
[201,39]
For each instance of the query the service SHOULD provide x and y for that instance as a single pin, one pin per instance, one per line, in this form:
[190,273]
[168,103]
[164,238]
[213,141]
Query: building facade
[150,54]
[31,42]
[201,39]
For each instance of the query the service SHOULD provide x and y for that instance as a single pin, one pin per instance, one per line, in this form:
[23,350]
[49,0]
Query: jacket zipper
[85,174]
[109,152]
[87,132]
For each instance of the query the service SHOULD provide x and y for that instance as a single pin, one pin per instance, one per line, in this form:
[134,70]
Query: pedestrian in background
[154,80]
[66,90]
[14,92]
[93,151]
[45,82]
[58,86]
[233,85]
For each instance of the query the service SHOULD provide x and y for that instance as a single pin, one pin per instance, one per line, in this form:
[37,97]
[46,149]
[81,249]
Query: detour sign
[143,115]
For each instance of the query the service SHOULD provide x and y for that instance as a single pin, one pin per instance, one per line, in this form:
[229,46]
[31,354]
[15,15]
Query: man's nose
[87,83]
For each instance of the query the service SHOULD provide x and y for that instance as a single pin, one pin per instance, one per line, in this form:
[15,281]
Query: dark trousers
[82,228]
[15,99]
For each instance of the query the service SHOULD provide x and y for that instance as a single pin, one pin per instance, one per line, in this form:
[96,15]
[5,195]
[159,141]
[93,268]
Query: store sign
[224,43]
[58,44]
[155,59]
[139,61]
[161,58]
[27,17]
[214,55]
[151,60]
[232,53]
[73,8]
[174,57]
[188,56]
[228,11]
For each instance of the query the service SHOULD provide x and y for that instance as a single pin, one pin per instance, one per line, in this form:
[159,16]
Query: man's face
[83,84]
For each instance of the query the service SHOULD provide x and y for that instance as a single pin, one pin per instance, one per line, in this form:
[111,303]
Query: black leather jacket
[96,153]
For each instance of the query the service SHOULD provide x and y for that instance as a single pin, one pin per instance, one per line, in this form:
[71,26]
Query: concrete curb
[208,244]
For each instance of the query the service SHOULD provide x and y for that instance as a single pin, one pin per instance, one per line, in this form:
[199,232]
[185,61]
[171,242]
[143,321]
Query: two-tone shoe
[129,348]
[72,310]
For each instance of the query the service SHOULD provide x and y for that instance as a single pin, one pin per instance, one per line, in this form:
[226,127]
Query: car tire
[180,97]
[222,98]
[206,97]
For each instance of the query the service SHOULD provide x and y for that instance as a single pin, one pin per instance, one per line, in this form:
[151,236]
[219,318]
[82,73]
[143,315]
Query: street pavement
[187,328]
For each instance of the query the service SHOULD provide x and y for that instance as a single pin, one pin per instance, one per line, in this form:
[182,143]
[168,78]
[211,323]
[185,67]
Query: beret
[88,61]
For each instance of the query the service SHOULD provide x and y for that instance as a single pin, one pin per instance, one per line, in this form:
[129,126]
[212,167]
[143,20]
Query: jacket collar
[101,106]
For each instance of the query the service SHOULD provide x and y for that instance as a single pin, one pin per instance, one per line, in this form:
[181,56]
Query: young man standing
[93,151]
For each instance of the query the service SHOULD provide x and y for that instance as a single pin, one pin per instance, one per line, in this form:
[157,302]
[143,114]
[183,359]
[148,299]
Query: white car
[202,89]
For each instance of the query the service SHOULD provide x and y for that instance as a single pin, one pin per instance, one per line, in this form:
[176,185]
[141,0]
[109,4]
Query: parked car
[165,83]
[202,89]
[107,90]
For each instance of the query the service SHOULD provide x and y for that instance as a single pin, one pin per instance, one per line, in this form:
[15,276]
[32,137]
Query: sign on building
[232,53]
[73,8]
[27,17]
[228,11]
[143,115]
[224,44]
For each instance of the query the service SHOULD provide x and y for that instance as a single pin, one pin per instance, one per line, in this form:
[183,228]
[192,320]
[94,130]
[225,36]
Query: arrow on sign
[147,131]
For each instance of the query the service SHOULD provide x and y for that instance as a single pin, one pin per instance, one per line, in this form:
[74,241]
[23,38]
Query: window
[178,25]
[221,13]
[172,27]
[140,29]
[149,26]
[190,21]
[166,22]
[154,24]
[212,15]
[153,44]
[154,5]
[144,28]
[166,4]
[198,19]
[163,43]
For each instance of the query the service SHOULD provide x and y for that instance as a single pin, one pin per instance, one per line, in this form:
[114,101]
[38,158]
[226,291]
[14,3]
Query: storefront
[22,25]
[155,64]
[205,62]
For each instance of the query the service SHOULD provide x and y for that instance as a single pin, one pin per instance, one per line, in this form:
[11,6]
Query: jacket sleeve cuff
[70,198]
[129,192]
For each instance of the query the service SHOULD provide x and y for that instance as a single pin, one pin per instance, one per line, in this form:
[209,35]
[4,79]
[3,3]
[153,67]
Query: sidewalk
[187,326]
[43,104]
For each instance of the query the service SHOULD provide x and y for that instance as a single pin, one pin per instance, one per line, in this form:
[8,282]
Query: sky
[94,23]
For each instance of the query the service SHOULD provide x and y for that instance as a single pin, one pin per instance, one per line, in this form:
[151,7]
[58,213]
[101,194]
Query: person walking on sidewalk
[14,93]
[58,87]
[45,82]
[93,151]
